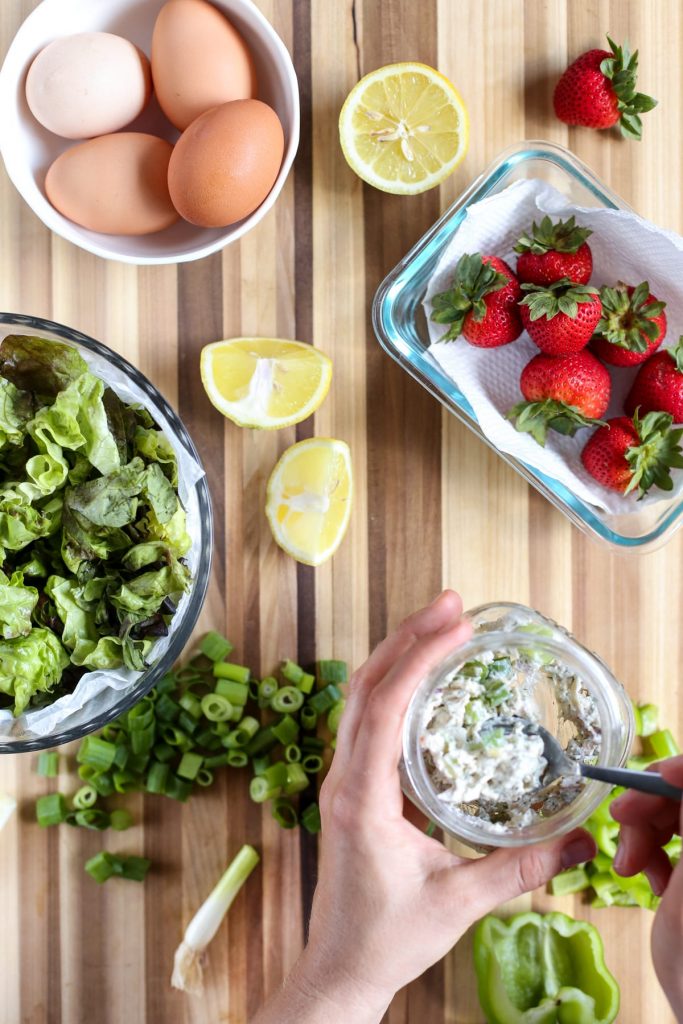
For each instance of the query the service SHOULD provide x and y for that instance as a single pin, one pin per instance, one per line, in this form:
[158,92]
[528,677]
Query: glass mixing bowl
[17,735]
[514,627]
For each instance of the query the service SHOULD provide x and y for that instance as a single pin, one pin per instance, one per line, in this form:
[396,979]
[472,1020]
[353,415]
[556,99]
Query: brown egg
[225,164]
[116,184]
[199,60]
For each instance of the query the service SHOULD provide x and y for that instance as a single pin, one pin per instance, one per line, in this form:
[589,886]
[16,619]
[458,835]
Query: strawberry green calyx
[472,282]
[537,418]
[676,353]
[658,453]
[564,236]
[621,68]
[628,320]
[563,296]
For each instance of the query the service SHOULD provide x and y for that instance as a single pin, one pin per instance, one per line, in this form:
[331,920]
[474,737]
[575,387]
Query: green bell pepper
[543,969]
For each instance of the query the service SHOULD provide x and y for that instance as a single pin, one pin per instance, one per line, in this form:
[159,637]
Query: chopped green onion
[306,683]
[48,764]
[187,962]
[122,755]
[137,763]
[226,670]
[142,740]
[247,728]
[189,765]
[120,819]
[133,868]
[100,867]
[263,741]
[286,730]
[284,813]
[204,777]
[163,752]
[312,763]
[253,685]
[187,722]
[237,758]
[216,708]
[260,764]
[202,664]
[215,647]
[267,689]
[157,776]
[167,684]
[110,732]
[205,737]
[310,818]
[260,790]
[50,809]
[216,760]
[103,783]
[192,704]
[126,782]
[96,752]
[663,744]
[324,699]
[175,737]
[236,693]
[85,797]
[188,676]
[333,671]
[178,789]
[287,698]
[167,709]
[649,716]
[308,717]
[334,716]
[276,774]
[292,753]
[569,882]
[297,779]
[312,743]
[92,817]
[293,673]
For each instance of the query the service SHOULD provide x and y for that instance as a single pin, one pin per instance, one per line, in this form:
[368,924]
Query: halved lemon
[266,383]
[308,501]
[404,128]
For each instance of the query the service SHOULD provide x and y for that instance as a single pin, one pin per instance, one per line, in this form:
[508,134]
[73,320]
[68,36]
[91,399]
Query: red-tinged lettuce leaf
[39,366]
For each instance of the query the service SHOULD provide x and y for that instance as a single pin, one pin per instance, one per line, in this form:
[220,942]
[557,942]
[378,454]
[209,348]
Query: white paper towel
[94,690]
[625,248]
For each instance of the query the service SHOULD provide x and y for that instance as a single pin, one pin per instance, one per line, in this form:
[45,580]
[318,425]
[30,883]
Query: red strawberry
[551,251]
[562,394]
[632,326]
[659,385]
[560,318]
[627,454]
[481,303]
[599,89]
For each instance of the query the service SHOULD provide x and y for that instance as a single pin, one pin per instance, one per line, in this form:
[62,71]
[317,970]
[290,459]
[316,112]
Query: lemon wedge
[265,383]
[308,501]
[404,128]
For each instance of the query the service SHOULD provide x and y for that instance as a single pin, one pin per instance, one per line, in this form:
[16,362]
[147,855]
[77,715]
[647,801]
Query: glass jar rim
[616,738]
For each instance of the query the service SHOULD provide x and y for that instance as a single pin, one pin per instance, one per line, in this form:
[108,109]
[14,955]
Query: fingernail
[577,850]
[619,858]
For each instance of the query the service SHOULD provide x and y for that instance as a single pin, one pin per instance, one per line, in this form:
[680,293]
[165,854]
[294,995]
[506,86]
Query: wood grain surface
[433,505]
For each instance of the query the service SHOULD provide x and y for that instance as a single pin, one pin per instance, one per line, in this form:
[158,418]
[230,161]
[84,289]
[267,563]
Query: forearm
[309,997]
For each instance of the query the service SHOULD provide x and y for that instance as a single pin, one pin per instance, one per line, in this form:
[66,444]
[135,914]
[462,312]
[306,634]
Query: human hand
[390,900]
[647,824]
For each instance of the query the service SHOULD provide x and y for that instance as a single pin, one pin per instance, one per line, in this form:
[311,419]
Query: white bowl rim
[63,227]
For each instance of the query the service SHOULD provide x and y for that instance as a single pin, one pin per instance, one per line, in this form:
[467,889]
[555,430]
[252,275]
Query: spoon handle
[646,782]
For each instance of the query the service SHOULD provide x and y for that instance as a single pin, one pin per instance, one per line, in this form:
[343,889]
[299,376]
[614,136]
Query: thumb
[505,874]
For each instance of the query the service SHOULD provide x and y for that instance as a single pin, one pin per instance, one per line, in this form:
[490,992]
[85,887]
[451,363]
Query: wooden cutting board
[433,505]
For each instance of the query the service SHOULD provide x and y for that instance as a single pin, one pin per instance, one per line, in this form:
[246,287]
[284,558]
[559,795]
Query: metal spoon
[560,764]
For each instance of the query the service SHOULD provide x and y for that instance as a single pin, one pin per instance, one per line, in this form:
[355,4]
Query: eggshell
[199,60]
[116,184]
[88,84]
[225,164]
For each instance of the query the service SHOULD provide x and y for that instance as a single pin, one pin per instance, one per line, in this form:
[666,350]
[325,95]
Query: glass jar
[516,628]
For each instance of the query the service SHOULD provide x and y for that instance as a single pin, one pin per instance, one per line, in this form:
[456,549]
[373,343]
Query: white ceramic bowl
[28,149]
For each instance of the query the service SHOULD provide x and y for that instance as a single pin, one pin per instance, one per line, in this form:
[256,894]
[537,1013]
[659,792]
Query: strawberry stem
[472,282]
[537,418]
[565,236]
[658,453]
[621,68]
